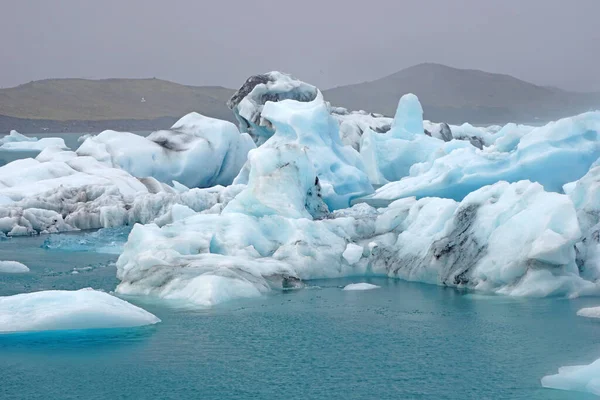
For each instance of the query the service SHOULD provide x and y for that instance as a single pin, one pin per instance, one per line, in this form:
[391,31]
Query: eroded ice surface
[61,191]
[67,310]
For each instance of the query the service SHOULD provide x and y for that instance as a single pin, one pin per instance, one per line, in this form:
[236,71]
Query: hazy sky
[324,42]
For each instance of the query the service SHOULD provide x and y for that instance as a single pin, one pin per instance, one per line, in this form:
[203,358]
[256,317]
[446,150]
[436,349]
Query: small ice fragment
[591,312]
[361,286]
[13,267]
[353,253]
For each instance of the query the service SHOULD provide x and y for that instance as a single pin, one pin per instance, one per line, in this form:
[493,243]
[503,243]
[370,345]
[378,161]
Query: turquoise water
[403,341]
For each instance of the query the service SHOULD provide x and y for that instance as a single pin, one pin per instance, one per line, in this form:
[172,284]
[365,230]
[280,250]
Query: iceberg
[360,287]
[290,220]
[60,191]
[553,155]
[514,239]
[585,195]
[53,310]
[248,101]
[309,128]
[590,312]
[580,378]
[390,156]
[15,141]
[15,136]
[301,205]
[198,152]
[13,267]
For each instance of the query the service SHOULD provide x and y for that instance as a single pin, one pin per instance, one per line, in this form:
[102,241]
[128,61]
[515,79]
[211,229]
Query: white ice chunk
[13,267]
[353,253]
[590,312]
[580,378]
[18,142]
[360,286]
[66,310]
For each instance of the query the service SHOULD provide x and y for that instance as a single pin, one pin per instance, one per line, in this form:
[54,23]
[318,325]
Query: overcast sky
[324,42]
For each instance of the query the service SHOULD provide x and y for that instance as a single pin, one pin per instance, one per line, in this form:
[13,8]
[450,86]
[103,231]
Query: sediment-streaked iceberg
[69,310]
[197,152]
[353,124]
[309,128]
[513,239]
[61,191]
[248,101]
[585,195]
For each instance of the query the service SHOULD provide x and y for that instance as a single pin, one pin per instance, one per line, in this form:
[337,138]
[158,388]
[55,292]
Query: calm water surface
[403,341]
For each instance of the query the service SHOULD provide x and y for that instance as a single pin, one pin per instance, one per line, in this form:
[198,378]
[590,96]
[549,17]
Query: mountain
[458,95]
[74,104]
[447,94]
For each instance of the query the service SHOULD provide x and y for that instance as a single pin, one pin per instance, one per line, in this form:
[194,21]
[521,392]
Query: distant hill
[447,94]
[122,102]
[458,95]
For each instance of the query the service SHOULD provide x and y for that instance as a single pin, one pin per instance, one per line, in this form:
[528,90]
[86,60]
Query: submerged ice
[105,240]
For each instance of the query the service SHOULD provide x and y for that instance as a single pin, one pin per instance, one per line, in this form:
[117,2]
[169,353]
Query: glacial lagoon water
[402,341]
